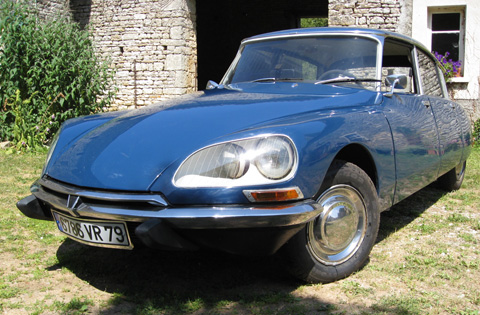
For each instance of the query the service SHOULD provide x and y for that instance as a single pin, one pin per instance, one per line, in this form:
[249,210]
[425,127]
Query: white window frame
[449,9]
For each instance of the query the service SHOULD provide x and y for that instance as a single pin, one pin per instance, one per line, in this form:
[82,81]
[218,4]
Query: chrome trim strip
[313,34]
[99,195]
[188,217]
[416,67]
[221,217]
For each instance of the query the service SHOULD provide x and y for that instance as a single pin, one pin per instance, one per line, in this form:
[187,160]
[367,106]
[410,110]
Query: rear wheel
[338,241]
[454,178]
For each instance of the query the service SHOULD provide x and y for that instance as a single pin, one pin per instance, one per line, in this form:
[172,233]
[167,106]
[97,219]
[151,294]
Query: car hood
[129,150]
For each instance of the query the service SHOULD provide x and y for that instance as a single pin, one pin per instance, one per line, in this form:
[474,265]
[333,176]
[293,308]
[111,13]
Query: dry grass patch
[426,261]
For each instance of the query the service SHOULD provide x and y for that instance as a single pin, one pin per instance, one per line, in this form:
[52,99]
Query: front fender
[318,138]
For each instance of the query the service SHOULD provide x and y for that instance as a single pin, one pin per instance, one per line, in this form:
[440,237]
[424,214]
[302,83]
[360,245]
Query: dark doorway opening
[222,24]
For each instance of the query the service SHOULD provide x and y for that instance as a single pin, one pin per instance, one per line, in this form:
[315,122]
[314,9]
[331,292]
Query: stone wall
[51,8]
[378,14]
[151,44]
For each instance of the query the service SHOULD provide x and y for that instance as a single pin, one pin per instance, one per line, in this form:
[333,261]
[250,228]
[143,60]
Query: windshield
[319,60]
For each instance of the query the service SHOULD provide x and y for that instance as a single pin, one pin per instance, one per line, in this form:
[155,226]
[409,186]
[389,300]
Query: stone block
[175,62]
[176,32]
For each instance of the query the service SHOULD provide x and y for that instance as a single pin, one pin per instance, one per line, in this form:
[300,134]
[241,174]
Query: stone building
[165,48]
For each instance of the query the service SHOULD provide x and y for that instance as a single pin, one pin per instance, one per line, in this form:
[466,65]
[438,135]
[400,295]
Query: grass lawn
[426,261]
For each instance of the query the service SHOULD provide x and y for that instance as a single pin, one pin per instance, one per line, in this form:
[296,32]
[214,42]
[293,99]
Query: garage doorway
[222,24]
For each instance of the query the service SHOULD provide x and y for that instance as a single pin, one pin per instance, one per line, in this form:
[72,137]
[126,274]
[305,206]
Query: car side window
[397,59]
[429,75]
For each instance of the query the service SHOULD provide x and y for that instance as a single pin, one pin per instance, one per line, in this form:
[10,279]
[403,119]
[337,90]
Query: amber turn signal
[273,195]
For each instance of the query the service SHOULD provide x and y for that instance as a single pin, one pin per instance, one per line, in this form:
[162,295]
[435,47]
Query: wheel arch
[360,156]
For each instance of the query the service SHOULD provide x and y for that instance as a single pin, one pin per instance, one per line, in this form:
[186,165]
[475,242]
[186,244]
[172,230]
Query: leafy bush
[48,68]
[476,133]
[30,130]
[313,22]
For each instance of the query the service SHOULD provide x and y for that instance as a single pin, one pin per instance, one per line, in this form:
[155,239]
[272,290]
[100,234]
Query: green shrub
[29,130]
[476,133]
[313,22]
[48,68]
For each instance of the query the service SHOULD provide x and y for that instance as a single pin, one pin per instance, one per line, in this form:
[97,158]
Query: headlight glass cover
[253,161]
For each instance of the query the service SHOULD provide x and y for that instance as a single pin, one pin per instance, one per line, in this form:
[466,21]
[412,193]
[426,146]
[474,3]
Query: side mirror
[212,85]
[396,81]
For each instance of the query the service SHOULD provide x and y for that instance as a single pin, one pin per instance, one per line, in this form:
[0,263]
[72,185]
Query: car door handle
[426,103]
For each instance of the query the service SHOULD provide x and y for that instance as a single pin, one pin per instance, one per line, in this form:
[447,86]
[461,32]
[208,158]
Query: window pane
[446,22]
[429,75]
[397,60]
[444,42]
[307,59]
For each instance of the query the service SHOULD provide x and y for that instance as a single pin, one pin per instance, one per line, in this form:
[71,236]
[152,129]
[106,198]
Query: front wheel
[338,241]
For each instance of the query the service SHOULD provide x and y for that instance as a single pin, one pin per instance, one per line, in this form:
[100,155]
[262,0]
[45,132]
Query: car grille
[99,204]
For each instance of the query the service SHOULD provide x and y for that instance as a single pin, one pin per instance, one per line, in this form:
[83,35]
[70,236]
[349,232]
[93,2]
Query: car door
[412,123]
[445,113]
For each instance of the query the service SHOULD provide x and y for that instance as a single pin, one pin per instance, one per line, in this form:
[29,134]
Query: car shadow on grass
[168,281]
[407,210]
[147,281]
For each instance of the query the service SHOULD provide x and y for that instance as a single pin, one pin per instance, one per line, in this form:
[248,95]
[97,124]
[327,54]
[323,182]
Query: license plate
[94,232]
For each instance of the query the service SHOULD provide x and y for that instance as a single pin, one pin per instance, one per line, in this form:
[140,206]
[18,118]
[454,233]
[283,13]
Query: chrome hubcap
[336,234]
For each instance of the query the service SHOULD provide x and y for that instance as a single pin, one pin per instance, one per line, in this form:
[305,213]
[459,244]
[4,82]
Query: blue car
[310,135]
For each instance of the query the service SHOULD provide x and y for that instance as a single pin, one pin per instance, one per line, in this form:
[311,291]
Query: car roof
[335,30]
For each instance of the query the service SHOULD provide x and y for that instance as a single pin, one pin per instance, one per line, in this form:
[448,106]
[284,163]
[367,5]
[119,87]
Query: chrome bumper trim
[98,195]
[188,217]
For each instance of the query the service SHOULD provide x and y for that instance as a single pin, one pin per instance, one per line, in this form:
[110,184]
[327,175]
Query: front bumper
[257,229]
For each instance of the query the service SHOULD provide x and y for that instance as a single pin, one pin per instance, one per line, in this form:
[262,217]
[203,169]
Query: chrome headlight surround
[261,160]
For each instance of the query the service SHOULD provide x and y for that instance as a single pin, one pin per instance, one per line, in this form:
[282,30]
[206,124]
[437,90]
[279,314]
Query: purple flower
[53,116]
[48,130]
[36,127]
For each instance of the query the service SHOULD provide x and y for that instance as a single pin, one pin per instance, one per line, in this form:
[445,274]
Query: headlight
[255,161]
[275,157]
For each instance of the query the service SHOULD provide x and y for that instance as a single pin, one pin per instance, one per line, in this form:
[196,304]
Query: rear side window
[397,59]
[429,75]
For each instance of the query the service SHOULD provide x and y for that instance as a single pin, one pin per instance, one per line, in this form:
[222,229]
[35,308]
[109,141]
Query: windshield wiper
[346,79]
[276,80]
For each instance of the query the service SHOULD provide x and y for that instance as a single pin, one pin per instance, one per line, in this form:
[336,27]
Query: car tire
[453,180]
[339,240]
